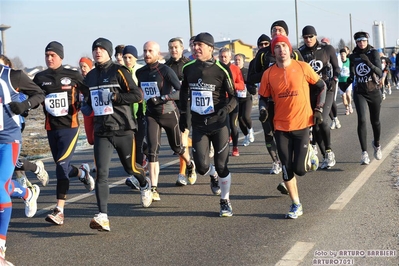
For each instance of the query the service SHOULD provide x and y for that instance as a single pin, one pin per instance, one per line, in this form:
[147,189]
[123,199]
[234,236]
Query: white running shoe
[384,96]
[276,168]
[365,158]
[389,91]
[146,194]
[251,135]
[337,123]
[246,141]
[42,175]
[330,156]
[333,126]
[31,204]
[181,180]
[100,222]
[87,180]
[377,151]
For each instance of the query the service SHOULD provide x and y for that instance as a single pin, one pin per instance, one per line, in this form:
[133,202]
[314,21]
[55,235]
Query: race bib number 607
[202,102]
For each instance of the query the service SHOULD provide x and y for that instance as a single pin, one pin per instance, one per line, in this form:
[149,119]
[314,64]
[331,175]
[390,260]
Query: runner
[292,113]
[208,83]
[61,87]
[365,70]
[345,89]
[161,87]
[119,54]
[322,59]
[112,91]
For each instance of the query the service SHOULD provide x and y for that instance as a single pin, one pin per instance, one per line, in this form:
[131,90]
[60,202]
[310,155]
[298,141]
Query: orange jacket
[239,84]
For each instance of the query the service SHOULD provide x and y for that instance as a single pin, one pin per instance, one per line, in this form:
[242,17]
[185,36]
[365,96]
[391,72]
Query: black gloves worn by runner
[157,100]
[20,107]
[365,58]
[318,116]
[263,114]
[222,113]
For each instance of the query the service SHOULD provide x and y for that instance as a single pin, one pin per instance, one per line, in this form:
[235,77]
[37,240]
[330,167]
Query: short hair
[176,39]
[192,38]
[225,50]
[242,56]
[343,50]
[6,60]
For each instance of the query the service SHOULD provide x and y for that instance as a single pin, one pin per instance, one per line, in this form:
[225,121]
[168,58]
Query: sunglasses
[264,44]
[308,36]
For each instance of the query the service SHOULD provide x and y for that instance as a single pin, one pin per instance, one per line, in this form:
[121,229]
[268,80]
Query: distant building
[237,47]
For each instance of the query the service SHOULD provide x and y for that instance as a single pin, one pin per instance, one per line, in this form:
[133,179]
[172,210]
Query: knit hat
[280,23]
[130,49]
[361,36]
[87,61]
[325,40]
[206,38]
[56,47]
[280,38]
[103,43]
[263,38]
[309,30]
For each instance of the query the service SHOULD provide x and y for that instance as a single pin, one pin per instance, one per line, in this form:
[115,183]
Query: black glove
[19,107]
[25,114]
[157,100]
[263,114]
[365,58]
[317,116]
[222,113]
[183,122]
[251,89]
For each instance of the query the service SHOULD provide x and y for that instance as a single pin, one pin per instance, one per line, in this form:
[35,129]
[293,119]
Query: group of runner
[126,105]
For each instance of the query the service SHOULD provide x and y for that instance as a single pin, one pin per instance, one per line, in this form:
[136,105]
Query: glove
[85,108]
[317,116]
[365,58]
[183,122]
[263,114]
[222,113]
[105,96]
[25,114]
[157,100]
[19,107]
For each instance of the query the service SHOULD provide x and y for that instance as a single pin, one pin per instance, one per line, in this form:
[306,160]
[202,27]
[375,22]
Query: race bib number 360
[57,103]
[150,90]
[202,102]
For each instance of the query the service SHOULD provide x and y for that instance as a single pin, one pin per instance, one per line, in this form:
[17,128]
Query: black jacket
[126,92]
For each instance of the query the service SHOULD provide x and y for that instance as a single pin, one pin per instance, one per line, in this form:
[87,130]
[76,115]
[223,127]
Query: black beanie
[206,38]
[280,23]
[103,43]
[130,49]
[56,47]
[309,30]
[263,38]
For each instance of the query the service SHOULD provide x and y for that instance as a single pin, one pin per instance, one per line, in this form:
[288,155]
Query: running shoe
[181,180]
[3,261]
[377,151]
[31,204]
[22,180]
[324,164]
[132,182]
[225,208]
[365,158]
[282,188]
[215,184]
[56,217]
[276,168]
[251,135]
[333,125]
[42,175]
[384,96]
[337,123]
[100,222]
[146,194]
[246,141]
[87,180]
[295,211]
[235,152]
[191,174]
[389,91]
[155,194]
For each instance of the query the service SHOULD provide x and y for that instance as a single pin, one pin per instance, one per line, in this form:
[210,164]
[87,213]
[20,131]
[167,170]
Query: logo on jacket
[66,83]
[48,83]
[362,69]
[317,65]
[106,80]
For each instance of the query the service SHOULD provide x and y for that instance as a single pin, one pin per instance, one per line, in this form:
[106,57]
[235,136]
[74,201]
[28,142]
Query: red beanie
[87,61]
[280,38]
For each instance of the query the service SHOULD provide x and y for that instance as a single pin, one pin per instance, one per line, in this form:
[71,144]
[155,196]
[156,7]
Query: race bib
[150,90]
[100,103]
[57,103]
[1,115]
[202,102]
[242,93]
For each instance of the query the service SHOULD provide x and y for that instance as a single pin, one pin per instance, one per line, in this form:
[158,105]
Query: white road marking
[296,254]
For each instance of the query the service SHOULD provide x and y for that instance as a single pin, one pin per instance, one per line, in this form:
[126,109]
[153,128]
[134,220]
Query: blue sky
[76,24]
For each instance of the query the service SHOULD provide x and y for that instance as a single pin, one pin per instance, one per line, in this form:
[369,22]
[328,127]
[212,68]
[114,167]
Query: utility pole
[3,39]
[296,22]
[190,18]
[350,23]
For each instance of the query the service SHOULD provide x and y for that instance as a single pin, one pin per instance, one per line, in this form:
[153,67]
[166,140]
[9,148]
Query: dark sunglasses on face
[308,36]
[264,44]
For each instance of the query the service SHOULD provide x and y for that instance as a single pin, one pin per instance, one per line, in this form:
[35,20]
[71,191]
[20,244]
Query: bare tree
[17,63]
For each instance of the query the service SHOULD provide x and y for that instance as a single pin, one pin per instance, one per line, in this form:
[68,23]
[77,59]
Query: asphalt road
[350,208]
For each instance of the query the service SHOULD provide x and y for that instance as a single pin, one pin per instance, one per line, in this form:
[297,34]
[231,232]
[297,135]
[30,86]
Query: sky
[76,24]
